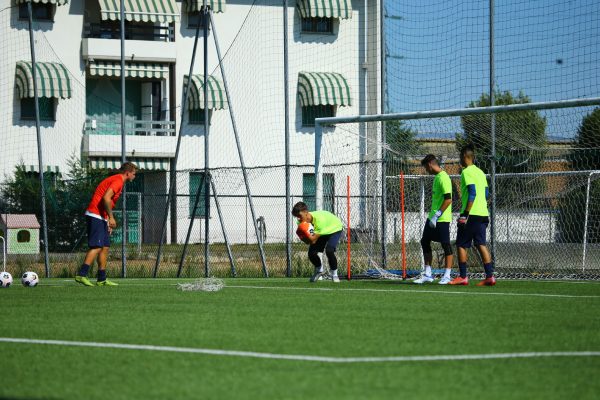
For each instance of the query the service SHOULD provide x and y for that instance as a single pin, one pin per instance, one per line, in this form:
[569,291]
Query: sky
[438,53]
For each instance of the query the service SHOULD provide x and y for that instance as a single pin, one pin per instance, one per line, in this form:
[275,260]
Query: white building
[334,69]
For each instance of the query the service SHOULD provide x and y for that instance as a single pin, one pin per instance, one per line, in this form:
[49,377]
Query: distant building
[334,70]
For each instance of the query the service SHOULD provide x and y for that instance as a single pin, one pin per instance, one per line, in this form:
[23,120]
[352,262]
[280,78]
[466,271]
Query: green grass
[388,319]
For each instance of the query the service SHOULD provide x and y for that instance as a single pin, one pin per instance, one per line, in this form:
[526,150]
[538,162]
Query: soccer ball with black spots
[30,279]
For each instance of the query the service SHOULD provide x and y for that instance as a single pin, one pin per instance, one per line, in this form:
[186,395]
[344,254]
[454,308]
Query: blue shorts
[97,231]
[441,232]
[331,241]
[473,231]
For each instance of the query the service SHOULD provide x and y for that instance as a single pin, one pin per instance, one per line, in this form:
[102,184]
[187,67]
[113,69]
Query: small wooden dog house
[21,233]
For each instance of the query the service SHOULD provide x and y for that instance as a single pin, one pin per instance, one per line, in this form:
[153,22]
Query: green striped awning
[132,69]
[52,80]
[325,8]
[216,6]
[145,163]
[323,88]
[216,93]
[47,168]
[136,10]
[55,2]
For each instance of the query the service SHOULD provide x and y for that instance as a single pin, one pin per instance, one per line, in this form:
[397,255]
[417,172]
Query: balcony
[102,138]
[148,32]
[144,42]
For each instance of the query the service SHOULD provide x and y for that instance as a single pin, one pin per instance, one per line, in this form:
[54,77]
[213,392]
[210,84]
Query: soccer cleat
[317,276]
[106,283]
[335,279]
[459,281]
[83,280]
[491,281]
[445,280]
[423,279]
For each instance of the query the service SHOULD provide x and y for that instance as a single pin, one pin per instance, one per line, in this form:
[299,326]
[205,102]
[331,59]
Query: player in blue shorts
[474,219]
[100,223]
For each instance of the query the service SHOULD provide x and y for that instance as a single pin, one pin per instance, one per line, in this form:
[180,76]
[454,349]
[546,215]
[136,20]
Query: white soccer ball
[5,279]
[30,279]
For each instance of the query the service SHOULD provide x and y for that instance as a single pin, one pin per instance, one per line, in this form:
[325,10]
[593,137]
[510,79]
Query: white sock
[447,272]
[428,270]
[334,272]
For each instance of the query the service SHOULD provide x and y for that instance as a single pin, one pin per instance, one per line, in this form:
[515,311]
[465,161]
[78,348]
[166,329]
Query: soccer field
[288,339]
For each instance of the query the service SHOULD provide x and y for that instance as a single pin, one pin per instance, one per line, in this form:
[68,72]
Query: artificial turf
[291,316]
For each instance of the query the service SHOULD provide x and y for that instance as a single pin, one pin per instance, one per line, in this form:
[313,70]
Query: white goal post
[362,140]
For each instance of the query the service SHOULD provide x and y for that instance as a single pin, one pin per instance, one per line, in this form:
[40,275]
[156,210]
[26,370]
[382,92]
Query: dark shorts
[330,241]
[97,231]
[441,232]
[473,231]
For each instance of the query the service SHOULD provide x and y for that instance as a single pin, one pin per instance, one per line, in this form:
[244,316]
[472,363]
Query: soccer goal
[543,169]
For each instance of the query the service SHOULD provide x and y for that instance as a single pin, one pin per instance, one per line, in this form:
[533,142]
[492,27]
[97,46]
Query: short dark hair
[429,158]
[299,206]
[467,149]
[127,167]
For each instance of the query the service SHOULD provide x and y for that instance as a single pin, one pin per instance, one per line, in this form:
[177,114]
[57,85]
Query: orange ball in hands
[305,231]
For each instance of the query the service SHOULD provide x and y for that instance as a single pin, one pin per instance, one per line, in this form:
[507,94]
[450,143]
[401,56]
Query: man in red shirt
[101,222]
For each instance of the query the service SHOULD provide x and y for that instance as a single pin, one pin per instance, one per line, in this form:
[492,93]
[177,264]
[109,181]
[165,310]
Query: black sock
[489,269]
[101,275]
[83,271]
[463,269]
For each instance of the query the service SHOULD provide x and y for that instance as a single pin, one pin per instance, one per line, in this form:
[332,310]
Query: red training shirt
[96,207]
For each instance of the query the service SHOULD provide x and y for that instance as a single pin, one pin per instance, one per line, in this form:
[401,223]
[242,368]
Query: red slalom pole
[348,219]
[403,238]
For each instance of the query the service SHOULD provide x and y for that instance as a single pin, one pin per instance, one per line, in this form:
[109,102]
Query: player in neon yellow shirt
[474,219]
[437,226]
[327,232]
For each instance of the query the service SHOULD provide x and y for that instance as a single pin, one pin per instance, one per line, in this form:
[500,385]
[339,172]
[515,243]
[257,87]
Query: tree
[66,201]
[21,195]
[584,156]
[521,146]
[402,148]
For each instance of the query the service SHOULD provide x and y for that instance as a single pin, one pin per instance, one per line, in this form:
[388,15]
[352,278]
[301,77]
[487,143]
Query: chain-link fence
[389,56]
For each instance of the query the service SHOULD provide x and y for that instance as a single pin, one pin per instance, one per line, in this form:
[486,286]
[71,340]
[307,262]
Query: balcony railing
[132,32]
[132,127]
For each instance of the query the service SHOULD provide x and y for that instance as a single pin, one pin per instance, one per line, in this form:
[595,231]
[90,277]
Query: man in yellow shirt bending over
[327,232]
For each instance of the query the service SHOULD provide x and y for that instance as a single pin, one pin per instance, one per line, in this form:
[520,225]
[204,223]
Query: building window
[23,236]
[39,12]
[47,108]
[311,112]
[317,25]
[196,179]
[309,191]
[195,18]
[197,116]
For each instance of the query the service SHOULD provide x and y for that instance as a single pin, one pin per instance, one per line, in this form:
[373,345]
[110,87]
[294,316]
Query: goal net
[545,212]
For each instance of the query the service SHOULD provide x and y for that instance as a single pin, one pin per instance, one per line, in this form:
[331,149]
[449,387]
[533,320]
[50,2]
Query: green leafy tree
[521,146]
[66,201]
[21,195]
[402,150]
[585,156]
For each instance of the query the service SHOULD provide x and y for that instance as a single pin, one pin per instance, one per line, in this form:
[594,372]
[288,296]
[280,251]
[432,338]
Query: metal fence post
[39,140]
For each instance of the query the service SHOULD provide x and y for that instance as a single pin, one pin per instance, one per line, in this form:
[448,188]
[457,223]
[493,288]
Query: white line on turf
[402,290]
[482,293]
[300,357]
